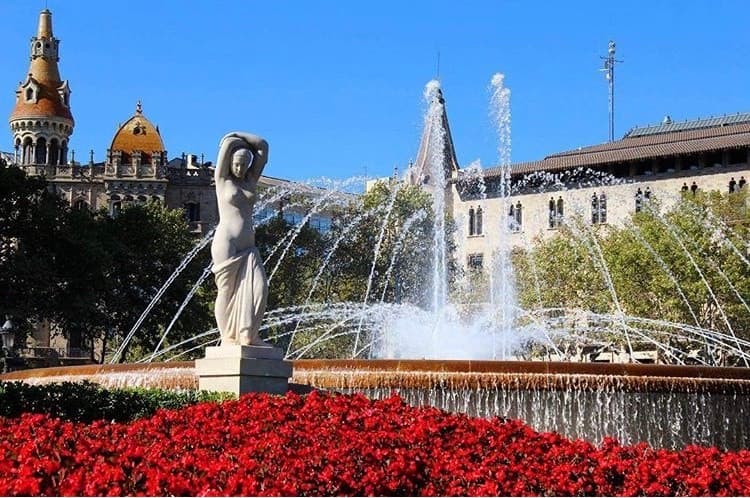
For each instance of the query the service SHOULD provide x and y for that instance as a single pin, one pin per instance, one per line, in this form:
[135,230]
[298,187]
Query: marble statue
[237,266]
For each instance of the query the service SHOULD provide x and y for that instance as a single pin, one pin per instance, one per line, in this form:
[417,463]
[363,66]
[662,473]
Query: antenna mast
[609,73]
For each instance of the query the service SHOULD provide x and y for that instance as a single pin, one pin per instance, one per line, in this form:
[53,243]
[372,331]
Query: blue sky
[336,86]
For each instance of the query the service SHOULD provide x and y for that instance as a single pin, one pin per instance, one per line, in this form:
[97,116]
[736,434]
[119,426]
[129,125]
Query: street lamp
[7,332]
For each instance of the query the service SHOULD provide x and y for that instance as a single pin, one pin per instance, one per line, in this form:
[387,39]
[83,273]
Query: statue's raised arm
[236,141]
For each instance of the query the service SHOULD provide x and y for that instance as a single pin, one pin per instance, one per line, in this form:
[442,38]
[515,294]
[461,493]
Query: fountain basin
[663,405]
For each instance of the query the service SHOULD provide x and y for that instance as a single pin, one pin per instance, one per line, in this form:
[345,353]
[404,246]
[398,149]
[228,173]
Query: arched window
[479,221]
[552,213]
[594,209]
[64,152]
[556,211]
[80,204]
[471,221]
[29,94]
[599,209]
[115,205]
[28,151]
[519,216]
[54,152]
[41,151]
[638,201]
[193,211]
[514,217]
[116,208]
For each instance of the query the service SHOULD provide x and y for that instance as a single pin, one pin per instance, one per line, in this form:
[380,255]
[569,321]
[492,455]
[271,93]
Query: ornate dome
[137,134]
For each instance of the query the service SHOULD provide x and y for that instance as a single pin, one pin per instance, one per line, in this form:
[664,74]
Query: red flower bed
[340,445]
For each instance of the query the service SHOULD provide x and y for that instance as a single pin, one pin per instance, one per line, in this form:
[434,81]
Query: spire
[138,107]
[44,52]
[420,169]
[45,24]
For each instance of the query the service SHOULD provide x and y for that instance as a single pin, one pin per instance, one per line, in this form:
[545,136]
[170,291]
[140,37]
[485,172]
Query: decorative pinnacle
[44,29]
[138,107]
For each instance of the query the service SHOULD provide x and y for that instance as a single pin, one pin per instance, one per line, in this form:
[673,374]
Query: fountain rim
[426,366]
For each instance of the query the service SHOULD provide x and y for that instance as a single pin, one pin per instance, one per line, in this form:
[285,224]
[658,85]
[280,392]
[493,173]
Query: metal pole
[609,70]
[611,92]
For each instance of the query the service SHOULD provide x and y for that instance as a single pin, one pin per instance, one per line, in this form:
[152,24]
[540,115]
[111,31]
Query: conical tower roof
[43,94]
[420,173]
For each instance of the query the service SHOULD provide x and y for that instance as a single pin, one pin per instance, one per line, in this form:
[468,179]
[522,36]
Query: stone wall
[535,206]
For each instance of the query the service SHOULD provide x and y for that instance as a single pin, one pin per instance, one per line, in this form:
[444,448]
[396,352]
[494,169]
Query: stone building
[136,168]
[603,184]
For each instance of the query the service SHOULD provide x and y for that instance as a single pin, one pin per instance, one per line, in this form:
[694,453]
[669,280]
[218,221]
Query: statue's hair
[241,151]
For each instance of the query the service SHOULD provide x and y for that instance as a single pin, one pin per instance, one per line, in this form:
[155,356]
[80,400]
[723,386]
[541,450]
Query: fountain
[464,356]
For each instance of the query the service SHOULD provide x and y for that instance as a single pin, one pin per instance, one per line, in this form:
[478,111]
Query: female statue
[237,266]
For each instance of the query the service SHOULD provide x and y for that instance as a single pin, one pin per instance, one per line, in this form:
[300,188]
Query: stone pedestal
[244,369]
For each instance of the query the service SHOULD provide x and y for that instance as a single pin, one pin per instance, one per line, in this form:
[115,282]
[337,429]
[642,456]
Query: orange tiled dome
[137,133]
[48,105]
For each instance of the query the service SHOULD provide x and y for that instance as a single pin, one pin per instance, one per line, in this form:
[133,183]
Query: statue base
[244,369]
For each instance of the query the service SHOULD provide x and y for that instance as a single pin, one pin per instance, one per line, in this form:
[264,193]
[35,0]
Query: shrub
[86,401]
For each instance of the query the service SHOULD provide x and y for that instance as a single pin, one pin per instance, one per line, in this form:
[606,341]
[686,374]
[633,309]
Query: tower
[435,135]
[41,121]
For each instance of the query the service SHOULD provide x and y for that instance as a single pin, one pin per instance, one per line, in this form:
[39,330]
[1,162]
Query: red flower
[324,444]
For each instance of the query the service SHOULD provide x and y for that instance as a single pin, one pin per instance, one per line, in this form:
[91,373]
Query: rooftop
[667,125]
[649,142]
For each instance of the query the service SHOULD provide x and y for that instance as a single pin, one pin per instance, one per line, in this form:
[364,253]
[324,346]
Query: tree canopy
[687,265]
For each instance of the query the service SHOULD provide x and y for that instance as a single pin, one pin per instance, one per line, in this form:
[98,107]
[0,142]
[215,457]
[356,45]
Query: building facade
[602,184]
[136,168]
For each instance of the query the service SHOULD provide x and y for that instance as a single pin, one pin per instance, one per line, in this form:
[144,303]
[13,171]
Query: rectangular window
[264,215]
[293,218]
[321,223]
[476,261]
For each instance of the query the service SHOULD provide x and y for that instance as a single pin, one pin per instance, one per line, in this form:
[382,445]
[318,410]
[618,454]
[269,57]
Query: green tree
[687,265]
[334,267]
[146,244]
[30,220]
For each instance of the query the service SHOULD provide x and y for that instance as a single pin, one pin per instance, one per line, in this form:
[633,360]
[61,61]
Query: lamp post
[7,333]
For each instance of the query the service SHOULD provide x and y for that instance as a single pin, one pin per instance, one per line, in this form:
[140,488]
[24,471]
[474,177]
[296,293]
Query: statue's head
[240,163]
